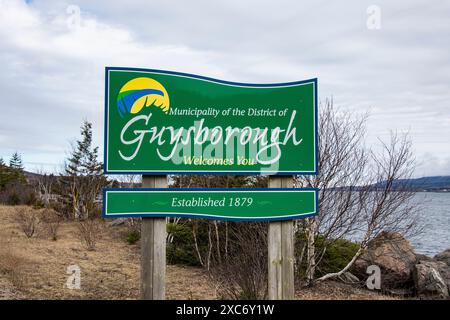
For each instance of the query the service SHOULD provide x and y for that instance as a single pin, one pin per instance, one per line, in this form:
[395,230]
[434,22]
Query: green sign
[220,204]
[160,122]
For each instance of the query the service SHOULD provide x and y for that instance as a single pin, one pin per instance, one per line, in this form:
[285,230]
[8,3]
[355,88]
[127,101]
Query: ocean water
[435,220]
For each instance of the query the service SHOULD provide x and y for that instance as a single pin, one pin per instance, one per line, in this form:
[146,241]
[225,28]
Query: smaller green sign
[219,204]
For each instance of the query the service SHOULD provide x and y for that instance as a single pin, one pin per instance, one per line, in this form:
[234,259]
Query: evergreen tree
[6,174]
[79,162]
[15,170]
[83,175]
[16,162]
[13,185]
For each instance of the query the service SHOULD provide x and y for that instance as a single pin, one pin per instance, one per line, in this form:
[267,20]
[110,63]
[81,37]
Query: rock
[444,257]
[444,271]
[422,257]
[396,258]
[429,281]
[118,222]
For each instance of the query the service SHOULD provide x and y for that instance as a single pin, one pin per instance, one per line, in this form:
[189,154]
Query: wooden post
[153,248]
[281,250]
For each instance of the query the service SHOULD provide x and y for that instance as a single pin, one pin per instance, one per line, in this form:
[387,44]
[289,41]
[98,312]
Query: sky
[388,58]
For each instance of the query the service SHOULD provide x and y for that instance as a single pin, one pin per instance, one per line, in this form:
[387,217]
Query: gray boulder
[444,271]
[396,258]
[430,280]
[422,257]
[444,257]
[118,222]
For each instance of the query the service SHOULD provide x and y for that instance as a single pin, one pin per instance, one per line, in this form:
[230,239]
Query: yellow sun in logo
[142,92]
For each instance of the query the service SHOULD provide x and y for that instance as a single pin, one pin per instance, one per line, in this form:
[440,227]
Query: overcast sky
[393,62]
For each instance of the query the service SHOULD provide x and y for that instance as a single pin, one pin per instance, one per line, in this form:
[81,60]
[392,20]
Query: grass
[36,268]
[12,266]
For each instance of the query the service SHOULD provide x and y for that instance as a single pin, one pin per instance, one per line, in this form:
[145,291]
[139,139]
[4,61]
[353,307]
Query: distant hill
[31,176]
[436,183]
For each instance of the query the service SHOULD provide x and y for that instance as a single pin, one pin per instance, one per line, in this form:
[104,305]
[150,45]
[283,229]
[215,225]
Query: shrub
[13,199]
[133,230]
[59,207]
[51,221]
[38,205]
[234,254]
[337,255]
[89,232]
[95,212]
[180,248]
[28,221]
[133,236]
[243,272]
[30,198]
[16,193]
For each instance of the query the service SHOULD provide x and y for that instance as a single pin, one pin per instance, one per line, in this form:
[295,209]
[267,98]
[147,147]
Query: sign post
[153,248]
[281,251]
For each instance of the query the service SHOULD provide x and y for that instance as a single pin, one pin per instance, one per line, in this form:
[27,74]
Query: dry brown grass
[12,269]
[35,268]
[110,272]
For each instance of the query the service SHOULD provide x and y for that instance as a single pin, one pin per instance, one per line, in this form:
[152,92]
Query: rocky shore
[405,272]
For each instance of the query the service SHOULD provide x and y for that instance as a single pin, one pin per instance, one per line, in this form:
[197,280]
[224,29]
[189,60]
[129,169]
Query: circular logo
[142,92]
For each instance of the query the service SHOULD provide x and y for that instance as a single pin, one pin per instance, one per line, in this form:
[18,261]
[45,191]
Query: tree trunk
[348,266]
[311,250]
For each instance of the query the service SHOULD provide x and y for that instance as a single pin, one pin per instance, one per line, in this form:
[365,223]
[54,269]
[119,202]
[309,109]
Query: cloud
[53,75]
[53,72]
[429,164]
